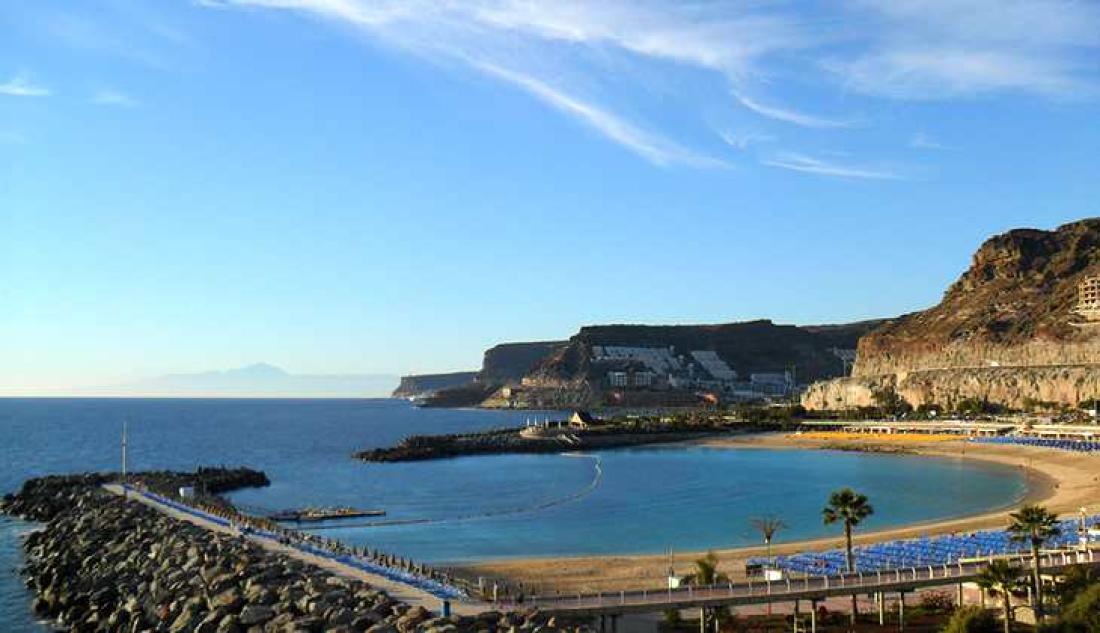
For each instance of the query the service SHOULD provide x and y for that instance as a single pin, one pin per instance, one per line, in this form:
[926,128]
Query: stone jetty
[104,563]
[423,447]
[43,498]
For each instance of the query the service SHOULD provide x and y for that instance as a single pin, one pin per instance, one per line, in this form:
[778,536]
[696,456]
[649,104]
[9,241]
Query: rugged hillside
[425,384]
[1014,306]
[509,362]
[1007,331]
[748,347]
[574,375]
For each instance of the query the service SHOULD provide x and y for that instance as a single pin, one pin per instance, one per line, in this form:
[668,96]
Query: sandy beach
[1060,480]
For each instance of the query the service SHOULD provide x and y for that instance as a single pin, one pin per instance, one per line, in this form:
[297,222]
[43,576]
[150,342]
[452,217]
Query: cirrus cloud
[587,60]
[794,161]
[22,86]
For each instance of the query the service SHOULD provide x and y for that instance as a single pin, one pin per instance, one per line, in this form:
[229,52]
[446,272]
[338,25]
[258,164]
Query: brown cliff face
[423,384]
[1007,332]
[508,363]
[1013,307]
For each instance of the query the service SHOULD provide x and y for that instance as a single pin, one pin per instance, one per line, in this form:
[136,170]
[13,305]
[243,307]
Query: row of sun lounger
[1080,446]
[922,552]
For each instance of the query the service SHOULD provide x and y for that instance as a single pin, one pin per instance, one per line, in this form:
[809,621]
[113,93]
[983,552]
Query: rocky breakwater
[43,498]
[103,563]
[548,440]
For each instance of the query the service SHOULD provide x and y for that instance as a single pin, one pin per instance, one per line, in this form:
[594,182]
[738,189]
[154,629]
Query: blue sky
[355,186]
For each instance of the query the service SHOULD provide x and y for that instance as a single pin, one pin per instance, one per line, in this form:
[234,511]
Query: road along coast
[1062,481]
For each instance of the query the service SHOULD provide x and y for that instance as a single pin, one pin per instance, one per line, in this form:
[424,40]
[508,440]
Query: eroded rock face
[102,563]
[1007,331]
[1014,388]
[1010,387]
[1013,306]
[846,393]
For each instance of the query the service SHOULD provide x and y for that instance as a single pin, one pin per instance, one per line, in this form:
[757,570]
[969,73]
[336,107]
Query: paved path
[412,596]
[811,588]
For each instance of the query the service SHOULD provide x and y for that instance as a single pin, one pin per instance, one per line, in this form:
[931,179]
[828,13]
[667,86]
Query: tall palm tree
[1002,578]
[768,526]
[851,508]
[1036,525]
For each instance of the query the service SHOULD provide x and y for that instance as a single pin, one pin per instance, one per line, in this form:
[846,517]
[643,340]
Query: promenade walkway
[401,591]
[811,588]
[808,588]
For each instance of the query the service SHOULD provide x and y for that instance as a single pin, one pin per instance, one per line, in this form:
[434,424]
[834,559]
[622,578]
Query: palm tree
[1036,525]
[706,573]
[768,526]
[1001,578]
[851,508]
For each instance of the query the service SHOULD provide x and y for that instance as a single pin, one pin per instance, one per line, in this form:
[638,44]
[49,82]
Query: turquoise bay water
[624,501]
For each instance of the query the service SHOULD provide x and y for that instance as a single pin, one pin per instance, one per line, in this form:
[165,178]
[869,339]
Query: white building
[1088,298]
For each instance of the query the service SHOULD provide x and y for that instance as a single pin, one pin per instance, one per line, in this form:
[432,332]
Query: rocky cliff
[747,347]
[426,384]
[508,363]
[503,364]
[571,377]
[1006,332]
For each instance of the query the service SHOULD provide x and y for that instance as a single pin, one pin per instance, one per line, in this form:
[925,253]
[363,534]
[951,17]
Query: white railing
[806,585]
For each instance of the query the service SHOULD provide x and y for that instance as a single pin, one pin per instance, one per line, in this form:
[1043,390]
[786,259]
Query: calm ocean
[624,501]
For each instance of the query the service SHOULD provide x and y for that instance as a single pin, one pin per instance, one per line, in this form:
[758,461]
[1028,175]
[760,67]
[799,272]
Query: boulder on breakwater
[42,498]
[104,563]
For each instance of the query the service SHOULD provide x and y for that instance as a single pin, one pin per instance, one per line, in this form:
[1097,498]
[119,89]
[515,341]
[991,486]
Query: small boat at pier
[324,514]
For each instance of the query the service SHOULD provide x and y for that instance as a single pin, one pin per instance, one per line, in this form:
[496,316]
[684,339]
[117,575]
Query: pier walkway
[810,588]
[403,592]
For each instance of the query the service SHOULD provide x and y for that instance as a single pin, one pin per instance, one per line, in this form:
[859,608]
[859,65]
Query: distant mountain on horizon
[259,380]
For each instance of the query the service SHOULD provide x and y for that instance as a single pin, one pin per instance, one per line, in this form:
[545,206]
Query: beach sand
[1060,480]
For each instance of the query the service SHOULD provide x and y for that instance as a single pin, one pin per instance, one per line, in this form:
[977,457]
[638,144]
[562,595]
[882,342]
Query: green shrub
[1083,614]
[972,620]
[1074,580]
[936,602]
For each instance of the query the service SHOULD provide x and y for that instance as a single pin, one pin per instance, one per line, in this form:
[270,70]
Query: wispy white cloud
[114,98]
[745,140]
[145,33]
[943,49]
[920,140]
[22,86]
[936,74]
[510,41]
[790,116]
[725,38]
[657,150]
[590,60]
[807,164]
